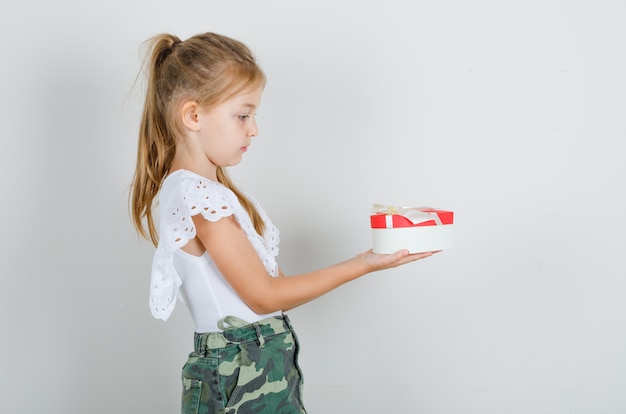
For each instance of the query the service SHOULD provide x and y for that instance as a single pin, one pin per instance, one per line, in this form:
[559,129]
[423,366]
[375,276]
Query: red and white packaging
[417,229]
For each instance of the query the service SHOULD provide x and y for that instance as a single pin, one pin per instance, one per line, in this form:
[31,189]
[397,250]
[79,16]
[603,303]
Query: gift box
[417,229]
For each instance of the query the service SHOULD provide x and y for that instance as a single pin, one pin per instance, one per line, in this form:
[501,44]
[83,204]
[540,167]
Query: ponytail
[156,147]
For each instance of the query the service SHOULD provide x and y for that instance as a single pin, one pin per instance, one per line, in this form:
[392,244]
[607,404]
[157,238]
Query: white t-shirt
[195,279]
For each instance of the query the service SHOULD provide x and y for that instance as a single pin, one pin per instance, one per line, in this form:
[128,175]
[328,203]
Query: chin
[233,163]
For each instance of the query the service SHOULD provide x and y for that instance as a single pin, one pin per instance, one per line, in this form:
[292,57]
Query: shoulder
[189,193]
[187,183]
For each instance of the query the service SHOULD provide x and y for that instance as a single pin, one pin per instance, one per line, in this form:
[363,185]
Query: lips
[244,149]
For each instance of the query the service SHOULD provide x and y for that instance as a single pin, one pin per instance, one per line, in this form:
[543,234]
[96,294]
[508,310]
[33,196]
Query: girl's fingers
[405,257]
[386,261]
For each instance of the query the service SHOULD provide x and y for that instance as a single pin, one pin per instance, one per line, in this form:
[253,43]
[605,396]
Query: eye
[243,117]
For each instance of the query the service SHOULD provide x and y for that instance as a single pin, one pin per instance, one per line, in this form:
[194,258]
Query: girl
[216,247]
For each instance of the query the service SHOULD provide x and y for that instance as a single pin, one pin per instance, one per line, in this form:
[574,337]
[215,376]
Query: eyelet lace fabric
[183,195]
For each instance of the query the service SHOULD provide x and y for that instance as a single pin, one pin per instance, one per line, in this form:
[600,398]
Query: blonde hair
[208,68]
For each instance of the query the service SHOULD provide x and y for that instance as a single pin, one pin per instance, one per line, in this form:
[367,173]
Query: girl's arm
[240,264]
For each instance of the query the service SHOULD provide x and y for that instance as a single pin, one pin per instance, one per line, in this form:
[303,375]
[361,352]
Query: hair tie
[166,52]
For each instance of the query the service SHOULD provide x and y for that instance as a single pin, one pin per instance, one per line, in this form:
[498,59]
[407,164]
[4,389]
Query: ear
[189,112]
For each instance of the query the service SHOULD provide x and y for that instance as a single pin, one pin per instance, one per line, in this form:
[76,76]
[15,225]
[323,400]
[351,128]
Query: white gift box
[416,229]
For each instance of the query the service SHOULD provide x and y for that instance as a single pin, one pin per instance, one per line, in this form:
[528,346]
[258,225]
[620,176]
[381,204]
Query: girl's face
[226,130]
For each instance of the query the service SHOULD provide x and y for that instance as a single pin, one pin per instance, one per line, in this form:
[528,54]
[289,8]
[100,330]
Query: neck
[184,159]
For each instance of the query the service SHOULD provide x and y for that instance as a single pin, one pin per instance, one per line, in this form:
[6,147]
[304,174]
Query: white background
[510,113]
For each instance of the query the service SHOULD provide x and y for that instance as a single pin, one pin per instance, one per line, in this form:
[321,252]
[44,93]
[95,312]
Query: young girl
[216,247]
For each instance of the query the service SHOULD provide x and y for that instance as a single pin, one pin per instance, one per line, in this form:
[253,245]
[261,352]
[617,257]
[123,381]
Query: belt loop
[202,346]
[259,335]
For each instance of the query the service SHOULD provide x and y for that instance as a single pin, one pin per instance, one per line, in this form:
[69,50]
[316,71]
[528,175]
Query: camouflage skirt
[247,368]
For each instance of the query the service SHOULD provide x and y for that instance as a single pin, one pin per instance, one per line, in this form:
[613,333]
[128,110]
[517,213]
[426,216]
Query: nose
[254,129]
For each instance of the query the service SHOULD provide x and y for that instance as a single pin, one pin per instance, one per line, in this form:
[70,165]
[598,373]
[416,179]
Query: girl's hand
[376,262]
